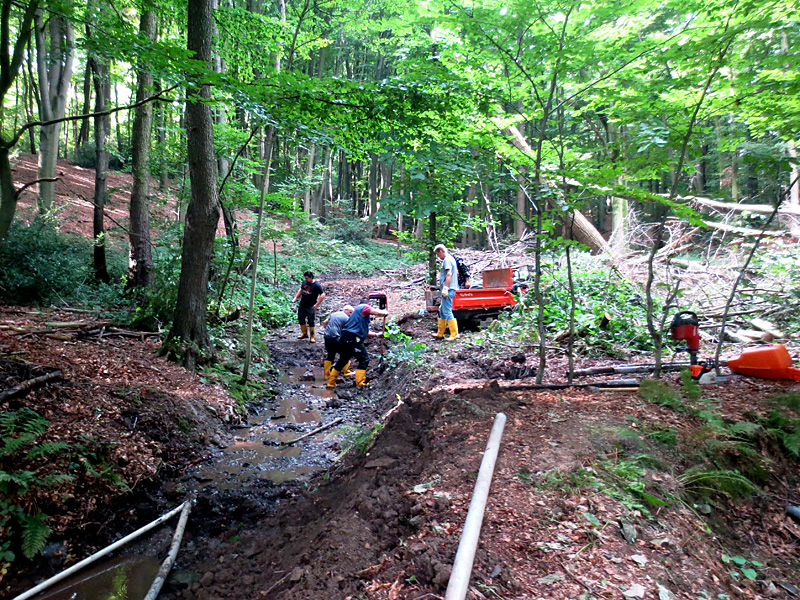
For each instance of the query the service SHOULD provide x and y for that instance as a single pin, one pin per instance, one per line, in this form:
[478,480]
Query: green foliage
[708,482]
[20,431]
[360,439]
[229,375]
[659,392]
[787,399]
[90,456]
[691,388]
[320,253]
[661,434]
[740,568]
[610,312]
[404,350]
[273,307]
[38,264]
[622,479]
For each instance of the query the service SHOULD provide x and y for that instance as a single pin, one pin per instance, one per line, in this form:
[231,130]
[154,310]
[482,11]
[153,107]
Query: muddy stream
[251,470]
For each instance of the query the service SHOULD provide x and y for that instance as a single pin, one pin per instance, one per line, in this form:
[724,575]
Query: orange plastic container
[769,362]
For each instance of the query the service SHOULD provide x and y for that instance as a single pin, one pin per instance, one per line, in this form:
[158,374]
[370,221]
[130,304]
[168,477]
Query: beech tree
[54,54]
[188,341]
[140,261]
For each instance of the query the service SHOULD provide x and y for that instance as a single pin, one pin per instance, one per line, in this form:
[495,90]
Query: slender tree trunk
[33,95]
[433,242]
[8,193]
[140,258]
[8,73]
[188,341]
[309,172]
[55,70]
[791,146]
[102,86]
[162,112]
[83,134]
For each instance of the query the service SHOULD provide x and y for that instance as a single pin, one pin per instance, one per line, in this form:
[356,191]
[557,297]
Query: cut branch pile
[77,330]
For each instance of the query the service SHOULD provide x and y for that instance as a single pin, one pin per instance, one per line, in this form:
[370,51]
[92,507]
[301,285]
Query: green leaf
[750,574]
[592,519]
[34,534]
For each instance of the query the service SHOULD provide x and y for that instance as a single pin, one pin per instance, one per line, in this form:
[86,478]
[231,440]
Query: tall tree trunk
[223,164]
[309,172]
[162,112]
[372,191]
[432,240]
[33,94]
[140,258]
[102,86]
[188,341]
[83,134]
[791,146]
[9,68]
[55,70]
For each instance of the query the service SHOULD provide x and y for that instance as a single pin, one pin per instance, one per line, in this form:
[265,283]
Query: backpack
[463,271]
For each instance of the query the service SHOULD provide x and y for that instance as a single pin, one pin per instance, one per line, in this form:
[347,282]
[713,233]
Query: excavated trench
[249,479]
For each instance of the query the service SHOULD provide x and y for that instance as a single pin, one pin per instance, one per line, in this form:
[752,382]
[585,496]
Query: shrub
[40,264]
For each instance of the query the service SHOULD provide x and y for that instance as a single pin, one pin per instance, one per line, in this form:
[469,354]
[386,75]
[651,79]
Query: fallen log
[76,324]
[314,432]
[29,384]
[644,368]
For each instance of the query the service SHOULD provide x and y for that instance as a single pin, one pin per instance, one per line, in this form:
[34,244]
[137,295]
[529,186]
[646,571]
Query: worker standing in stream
[311,296]
[448,284]
[333,331]
[351,342]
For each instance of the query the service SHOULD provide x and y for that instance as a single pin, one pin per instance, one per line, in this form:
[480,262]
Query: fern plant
[19,433]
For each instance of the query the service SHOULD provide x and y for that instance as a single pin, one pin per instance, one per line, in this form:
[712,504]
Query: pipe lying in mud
[166,566]
[462,566]
[100,554]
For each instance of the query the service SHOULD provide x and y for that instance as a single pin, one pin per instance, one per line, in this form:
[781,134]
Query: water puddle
[126,577]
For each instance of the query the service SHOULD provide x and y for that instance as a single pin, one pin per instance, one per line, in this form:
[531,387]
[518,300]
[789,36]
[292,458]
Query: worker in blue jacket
[351,342]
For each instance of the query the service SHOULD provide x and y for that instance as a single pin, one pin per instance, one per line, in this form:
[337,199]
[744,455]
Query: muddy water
[260,451]
[126,577]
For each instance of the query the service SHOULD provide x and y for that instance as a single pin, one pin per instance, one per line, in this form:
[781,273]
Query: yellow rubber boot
[312,339]
[304,335]
[361,377]
[440,332]
[453,325]
[346,372]
[328,365]
[332,379]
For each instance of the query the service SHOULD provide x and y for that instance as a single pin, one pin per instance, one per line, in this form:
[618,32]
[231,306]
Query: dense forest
[440,122]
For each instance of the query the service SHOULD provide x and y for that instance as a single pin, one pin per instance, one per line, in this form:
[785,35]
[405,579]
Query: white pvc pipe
[89,560]
[166,566]
[462,566]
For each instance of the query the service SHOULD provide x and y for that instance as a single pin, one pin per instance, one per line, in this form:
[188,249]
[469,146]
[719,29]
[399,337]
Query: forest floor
[589,498]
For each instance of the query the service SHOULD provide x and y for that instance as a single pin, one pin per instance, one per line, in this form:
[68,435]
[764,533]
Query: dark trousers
[331,348]
[306,312]
[351,347]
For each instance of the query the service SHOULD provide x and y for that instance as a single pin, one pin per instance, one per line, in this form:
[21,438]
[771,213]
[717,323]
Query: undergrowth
[32,468]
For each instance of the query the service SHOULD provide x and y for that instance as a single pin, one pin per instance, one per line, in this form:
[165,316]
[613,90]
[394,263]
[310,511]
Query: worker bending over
[333,331]
[448,283]
[351,342]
